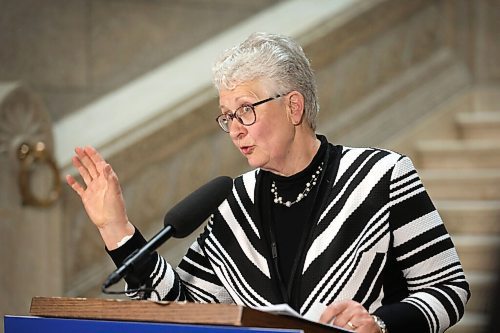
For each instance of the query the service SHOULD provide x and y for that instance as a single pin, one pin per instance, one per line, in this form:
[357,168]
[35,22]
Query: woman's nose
[236,129]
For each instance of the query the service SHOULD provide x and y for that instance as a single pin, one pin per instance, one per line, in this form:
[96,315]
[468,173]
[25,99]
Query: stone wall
[72,52]
[30,235]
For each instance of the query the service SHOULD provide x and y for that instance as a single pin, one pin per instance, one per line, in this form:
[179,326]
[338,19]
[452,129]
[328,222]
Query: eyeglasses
[245,114]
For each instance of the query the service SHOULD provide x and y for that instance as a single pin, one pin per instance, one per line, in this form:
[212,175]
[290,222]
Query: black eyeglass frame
[232,115]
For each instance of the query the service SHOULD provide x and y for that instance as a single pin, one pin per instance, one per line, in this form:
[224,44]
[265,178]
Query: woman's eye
[246,108]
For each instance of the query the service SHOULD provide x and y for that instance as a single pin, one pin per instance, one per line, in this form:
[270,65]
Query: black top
[289,226]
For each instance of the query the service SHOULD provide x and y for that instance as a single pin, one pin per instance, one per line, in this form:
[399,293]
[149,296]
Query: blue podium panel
[27,324]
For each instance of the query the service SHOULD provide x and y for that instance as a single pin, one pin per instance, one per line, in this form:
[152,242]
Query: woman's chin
[254,162]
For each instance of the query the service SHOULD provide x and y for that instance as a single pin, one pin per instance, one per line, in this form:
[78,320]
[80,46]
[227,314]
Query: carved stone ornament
[26,146]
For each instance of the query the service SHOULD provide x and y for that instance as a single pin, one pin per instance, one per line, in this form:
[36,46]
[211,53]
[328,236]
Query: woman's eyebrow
[237,102]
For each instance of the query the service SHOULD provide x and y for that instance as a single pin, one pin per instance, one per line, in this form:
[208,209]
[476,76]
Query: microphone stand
[136,256]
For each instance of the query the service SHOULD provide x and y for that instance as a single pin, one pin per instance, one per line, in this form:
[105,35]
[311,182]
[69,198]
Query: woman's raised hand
[101,196]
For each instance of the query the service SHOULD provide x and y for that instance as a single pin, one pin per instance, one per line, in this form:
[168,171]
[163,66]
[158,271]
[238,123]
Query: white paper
[287,310]
[279,309]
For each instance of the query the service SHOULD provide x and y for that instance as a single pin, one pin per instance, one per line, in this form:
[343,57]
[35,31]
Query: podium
[89,315]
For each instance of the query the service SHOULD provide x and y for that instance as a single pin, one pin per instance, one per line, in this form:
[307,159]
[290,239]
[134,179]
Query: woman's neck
[301,155]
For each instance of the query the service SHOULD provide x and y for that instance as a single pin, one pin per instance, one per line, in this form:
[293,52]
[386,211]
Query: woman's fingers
[328,315]
[349,314]
[334,314]
[75,185]
[94,156]
[111,178]
[89,163]
[341,313]
[87,178]
[86,162]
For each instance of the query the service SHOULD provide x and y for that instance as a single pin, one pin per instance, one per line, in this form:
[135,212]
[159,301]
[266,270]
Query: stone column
[30,215]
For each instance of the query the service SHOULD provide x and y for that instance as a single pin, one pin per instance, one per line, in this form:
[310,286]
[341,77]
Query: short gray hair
[276,59]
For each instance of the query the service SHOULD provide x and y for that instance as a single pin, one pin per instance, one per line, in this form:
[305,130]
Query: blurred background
[133,79]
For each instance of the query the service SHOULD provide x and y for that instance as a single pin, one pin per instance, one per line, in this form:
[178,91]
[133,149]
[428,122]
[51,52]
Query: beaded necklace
[309,185]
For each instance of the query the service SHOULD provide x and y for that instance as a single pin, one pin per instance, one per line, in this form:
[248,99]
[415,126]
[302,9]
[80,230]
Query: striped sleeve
[192,280]
[200,282]
[427,257]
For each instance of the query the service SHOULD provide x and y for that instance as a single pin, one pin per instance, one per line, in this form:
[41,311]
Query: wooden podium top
[169,312]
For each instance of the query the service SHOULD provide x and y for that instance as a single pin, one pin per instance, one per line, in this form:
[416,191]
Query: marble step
[457,154]
[478,253]
[479,125]
[482,286]
[471,217]
[462,184]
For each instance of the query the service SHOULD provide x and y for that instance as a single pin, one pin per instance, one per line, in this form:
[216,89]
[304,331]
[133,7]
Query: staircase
[462,176]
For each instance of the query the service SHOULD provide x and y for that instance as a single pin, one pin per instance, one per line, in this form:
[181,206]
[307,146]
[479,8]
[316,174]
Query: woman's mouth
[245,150]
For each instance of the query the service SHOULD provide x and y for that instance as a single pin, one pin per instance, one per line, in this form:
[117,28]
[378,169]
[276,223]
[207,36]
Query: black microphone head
[193,210]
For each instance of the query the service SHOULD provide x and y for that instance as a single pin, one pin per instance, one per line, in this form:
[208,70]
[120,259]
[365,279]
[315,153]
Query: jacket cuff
[402,317]
[119,254]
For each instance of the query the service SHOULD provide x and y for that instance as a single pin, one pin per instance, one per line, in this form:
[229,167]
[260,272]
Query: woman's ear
[295,107]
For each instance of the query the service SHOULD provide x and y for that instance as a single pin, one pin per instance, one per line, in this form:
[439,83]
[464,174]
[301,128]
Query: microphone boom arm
[128,264]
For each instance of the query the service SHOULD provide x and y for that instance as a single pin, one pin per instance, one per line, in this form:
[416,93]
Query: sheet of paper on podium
[287,310]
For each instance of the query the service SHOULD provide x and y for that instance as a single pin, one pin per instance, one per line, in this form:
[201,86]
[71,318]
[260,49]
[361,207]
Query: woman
[346,236]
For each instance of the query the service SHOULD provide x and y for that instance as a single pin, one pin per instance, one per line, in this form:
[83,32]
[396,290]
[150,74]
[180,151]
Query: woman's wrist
[380,323]
[114,235]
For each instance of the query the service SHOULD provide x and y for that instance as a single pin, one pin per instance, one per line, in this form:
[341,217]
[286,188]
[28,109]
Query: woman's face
[268,141]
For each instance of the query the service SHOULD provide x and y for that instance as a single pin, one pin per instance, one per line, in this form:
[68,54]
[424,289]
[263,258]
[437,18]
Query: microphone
[180,221]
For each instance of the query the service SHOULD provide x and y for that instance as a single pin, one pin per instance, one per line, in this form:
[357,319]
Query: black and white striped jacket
[379,241]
